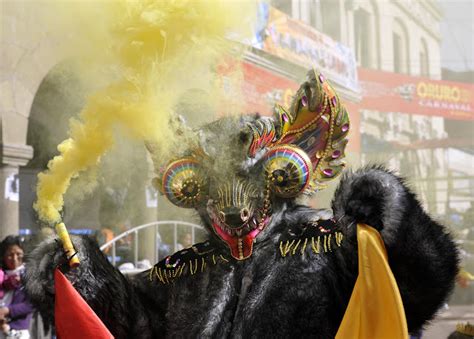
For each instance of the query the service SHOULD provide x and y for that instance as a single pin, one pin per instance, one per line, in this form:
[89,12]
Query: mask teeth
[256,221]
[225,228]
[253,224]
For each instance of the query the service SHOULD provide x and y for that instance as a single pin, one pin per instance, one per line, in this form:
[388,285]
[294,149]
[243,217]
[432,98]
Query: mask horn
[184,183]
[288,168]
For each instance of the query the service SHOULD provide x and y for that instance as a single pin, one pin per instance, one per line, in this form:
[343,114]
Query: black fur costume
[297,281]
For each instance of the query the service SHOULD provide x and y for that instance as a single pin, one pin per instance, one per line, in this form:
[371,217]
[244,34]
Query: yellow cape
[375,310]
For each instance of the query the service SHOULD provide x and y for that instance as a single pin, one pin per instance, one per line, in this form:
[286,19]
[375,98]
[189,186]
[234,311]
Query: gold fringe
[166,277]
[181,269]
[196,262]
[290,246]
[287,248]
[466,329]
[338,238]
[303,249]
[281,249]
[315,246]
[150,276]
[322,243]
[160,276]
[296,247]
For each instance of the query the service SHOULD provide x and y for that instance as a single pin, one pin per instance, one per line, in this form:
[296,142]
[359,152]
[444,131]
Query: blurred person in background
[163,249]
[103,236]
[15,309]
[185,241]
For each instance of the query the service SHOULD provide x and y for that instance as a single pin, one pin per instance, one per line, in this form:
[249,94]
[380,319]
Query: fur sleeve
[422,254]
[112,297]
[375,196]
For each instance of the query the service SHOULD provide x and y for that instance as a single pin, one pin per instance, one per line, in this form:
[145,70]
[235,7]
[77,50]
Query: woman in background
[15,310]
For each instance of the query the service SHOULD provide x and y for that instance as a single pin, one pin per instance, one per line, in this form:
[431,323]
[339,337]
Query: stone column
[12,156]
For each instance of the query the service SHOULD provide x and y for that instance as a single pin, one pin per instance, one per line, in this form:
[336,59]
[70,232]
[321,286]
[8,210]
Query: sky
[457,30]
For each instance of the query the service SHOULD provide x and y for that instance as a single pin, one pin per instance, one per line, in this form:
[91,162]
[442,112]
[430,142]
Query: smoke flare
[153,51]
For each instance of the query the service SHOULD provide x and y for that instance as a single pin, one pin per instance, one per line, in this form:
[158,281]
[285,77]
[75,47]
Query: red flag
[74,317]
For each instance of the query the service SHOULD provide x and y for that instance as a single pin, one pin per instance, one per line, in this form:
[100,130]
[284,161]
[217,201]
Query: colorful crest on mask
[316,123]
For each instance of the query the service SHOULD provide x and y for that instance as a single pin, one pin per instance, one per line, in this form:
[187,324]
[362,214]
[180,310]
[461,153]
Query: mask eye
[184,183]
[288,168]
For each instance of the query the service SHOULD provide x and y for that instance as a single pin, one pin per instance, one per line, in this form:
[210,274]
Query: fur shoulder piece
[189,261]
[374,196]
[315,230]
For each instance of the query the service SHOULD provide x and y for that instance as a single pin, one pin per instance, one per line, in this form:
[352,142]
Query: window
[330,15]
[424,61]
[397,53]
[366,43]
[362,34]
[401,59]
[314,11]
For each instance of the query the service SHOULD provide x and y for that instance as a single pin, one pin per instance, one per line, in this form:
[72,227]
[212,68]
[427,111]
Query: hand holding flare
[67,245]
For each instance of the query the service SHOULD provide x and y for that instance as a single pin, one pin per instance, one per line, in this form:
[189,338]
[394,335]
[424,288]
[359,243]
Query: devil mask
[236,169]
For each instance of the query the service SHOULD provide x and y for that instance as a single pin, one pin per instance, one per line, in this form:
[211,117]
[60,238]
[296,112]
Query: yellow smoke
[144,55]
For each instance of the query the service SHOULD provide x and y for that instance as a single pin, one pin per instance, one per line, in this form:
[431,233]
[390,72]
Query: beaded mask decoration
[318,124]
[289,170]
[183,183]
[297,151]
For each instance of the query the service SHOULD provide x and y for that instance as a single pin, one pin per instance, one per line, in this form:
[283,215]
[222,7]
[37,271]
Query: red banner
[263,89]
[392,92]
